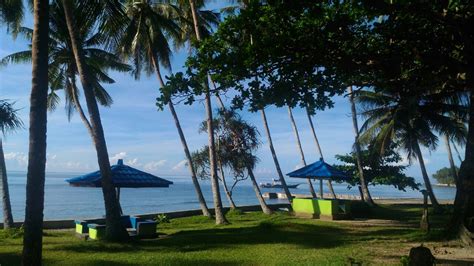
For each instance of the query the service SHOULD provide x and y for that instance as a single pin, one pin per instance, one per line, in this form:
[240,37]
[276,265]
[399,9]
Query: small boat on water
[277,184]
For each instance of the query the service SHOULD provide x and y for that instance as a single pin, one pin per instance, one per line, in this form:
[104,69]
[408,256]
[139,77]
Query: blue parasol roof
[122,176]
[319,169]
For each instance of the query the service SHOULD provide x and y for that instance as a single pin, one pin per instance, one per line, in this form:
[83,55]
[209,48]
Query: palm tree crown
[9,120]
[62,66]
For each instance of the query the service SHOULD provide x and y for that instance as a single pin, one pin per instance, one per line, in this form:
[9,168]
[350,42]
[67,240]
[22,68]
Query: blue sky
[147,139]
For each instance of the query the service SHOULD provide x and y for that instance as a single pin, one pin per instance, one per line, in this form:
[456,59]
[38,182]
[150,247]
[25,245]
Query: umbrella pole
[118,199]
[321,188]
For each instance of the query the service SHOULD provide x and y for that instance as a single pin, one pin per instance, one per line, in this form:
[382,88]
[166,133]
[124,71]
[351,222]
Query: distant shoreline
[445,185]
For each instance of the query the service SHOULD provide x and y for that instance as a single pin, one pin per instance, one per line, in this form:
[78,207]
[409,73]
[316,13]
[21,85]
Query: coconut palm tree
[365,193]
[11,14]
[409,120]
[145,43]
[316,141]
[274,155]
[33,225]
[220,218]
[62,66]
[181,12]
[9,121]
[114,228]
[300,149]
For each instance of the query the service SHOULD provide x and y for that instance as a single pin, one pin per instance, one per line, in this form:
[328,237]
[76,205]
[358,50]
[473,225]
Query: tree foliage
[444,176]
[378,170]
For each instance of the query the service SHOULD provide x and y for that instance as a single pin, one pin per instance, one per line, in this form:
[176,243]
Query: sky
[147,138]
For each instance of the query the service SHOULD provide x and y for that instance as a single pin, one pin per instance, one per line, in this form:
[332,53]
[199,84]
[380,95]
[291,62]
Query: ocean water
[65,202]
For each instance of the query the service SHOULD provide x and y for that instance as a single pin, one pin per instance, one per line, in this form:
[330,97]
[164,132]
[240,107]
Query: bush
[12,233]
[162,218]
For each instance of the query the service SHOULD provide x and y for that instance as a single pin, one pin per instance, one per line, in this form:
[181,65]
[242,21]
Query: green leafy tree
[445,176]
[378,170]
[9,122]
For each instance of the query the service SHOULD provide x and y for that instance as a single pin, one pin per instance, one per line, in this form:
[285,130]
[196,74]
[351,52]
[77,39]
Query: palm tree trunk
[362,182]
[426,179]
[220,218]
[7,208]
[464,200]
[33,224]
[226,189]
[261,200]
[454,172]
[197,187]
[457,152]
[274,156]
[331,189]
[300,148]
[114,228]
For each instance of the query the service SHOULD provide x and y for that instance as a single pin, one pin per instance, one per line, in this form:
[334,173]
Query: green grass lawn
[251,238]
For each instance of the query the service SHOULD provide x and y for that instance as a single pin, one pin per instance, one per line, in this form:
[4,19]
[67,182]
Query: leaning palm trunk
[7,208]
[426,179]
[33,225]
[228,193]
[258,193]
[220,218]
[365,193]
[331,189]
[274,156]
[454,172]
[300,148]
[197,187]
[114,227]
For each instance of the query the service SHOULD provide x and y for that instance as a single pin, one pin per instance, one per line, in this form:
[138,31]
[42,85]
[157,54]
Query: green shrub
[12,233]
[162,218]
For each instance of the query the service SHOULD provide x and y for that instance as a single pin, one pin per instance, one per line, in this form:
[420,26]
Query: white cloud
[117,156]
[133,162]
[155,165]
[20,157]
[180,166]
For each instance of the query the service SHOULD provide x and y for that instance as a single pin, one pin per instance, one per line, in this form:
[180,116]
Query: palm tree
[365,193]
[452,165]
[329,183]
[220,218]
[11,14]
[33,225]
[274,156]
[114,228]
[145,42]
[300,149]
[9,121]
[409,120]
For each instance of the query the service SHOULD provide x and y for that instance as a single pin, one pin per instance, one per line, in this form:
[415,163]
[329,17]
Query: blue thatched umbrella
[122,176]
[320,170]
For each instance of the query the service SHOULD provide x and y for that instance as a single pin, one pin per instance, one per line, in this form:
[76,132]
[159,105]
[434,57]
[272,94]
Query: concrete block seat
[326,209]
[136,226]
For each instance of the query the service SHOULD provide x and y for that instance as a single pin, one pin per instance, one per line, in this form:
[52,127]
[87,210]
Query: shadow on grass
[302,235]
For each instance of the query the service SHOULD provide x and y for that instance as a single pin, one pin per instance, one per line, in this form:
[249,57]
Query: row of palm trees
[137,36]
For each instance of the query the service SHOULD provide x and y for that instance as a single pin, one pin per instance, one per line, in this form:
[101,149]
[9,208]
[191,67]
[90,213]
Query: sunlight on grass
[251,238]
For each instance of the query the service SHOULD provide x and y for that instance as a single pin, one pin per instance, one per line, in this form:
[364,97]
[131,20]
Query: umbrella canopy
[122,176]
[320,170]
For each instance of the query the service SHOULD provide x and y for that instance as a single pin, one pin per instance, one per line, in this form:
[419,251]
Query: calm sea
[63,201]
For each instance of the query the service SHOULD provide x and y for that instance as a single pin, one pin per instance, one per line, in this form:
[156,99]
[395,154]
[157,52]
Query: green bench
[327,209]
